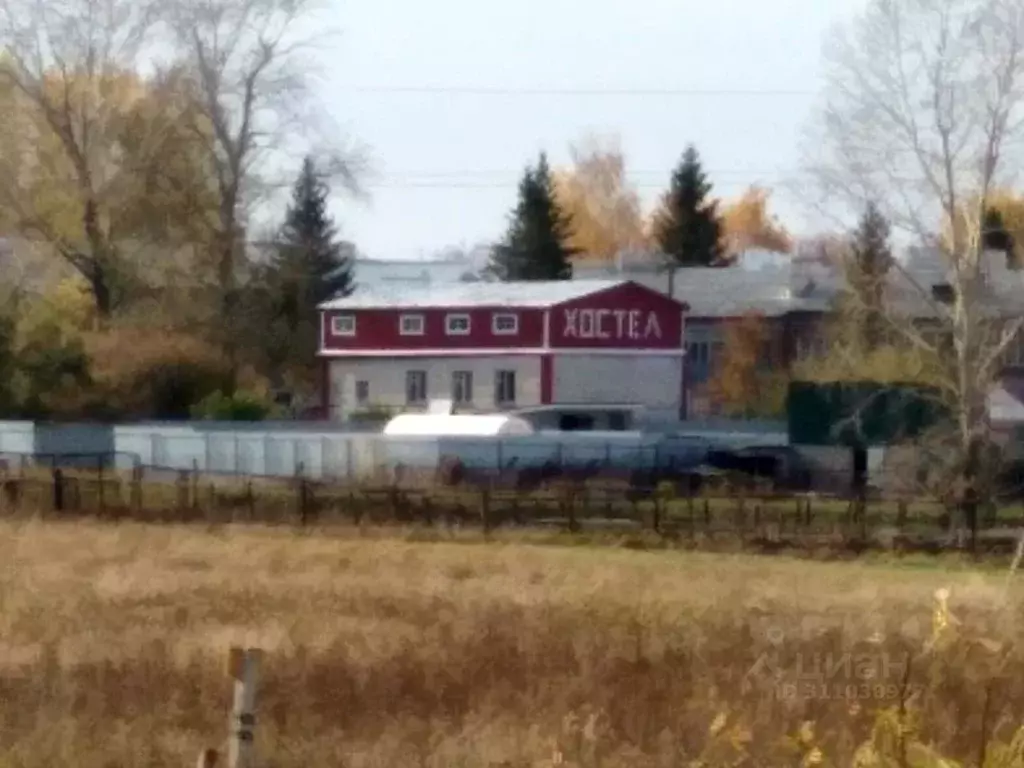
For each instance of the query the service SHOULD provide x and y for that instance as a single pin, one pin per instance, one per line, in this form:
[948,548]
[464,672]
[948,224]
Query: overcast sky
[445,161]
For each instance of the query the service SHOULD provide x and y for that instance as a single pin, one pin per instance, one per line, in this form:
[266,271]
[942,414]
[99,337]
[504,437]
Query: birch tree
[247,65]
[605,208]
[924,113]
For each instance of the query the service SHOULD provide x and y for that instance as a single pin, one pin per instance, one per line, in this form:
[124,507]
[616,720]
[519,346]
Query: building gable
[627,315]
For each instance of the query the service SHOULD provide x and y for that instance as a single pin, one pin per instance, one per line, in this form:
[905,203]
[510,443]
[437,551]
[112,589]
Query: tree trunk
[100,252]
[228,321]
[100,287]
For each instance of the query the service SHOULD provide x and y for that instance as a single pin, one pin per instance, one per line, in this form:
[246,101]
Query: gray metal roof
[481,294]
[801,285]
[731,291]
[910,288]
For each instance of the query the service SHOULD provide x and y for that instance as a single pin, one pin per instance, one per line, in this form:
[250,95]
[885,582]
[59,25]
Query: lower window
[505,387]
[462,387]
[415,387]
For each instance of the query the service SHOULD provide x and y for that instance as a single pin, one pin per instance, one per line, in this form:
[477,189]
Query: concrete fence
[324,451]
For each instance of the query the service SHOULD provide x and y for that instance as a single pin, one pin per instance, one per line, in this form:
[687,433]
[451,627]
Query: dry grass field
[384,648]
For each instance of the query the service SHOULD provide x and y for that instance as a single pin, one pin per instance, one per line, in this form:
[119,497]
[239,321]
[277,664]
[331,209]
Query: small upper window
[343,325]
[456,325]
[504,324]
[411,325]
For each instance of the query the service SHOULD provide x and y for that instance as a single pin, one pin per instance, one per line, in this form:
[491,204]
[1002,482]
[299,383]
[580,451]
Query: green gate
[860,413]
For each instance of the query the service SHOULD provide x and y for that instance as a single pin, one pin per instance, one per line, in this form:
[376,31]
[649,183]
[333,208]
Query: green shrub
[374,414]
[241,406]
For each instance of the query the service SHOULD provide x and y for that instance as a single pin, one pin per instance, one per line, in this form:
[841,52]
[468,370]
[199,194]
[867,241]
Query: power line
[632,92]
[509,185]
[486,179]
[516,172]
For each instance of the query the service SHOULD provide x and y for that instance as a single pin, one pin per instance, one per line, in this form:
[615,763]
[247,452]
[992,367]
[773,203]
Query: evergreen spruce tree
[536,245]
[870,261]
[688,228]
[309,265]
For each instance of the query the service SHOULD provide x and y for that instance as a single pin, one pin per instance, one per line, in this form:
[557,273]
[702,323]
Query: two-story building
[496,346]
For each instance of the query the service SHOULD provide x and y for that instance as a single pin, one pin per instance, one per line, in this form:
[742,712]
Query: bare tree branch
[248,70]
[924,118]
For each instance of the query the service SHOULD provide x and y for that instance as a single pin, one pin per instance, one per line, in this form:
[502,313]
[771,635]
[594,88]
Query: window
[343,325]
[362,392]
[504,387]
[456,325]
[697,352]
[944,292]
[411,325]
[462,387]
[574,422]
[504,324]
[415,387]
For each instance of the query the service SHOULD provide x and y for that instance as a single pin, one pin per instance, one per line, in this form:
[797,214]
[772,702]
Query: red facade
[378,329]
[625,317]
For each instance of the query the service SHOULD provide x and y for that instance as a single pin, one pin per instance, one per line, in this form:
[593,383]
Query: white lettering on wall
[571,317]
[628,325]
[653,328]
[620,322]
[586,323]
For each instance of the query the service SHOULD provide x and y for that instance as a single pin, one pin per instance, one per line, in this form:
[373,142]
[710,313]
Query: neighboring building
[791,299]
[496,346]
[449,267]
[794,298]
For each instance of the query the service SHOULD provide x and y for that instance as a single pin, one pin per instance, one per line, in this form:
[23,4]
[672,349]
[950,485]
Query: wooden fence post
[243,666]
[485,509]
[58,490]
[136,492]
[302,493]
[99,474]
[250,500]
[207,759]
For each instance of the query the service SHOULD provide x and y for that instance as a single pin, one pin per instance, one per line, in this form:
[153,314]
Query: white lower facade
[654,381]
[503,382]
[359,383]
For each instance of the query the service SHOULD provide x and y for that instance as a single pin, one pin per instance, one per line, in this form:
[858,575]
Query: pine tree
[536,245]
[688,228]
[870,261]
[309,265]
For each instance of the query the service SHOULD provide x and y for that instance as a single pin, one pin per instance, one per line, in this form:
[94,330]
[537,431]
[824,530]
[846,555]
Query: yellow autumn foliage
[747,380]
[1011,207]
[747,224]
[605,209]
[130,173]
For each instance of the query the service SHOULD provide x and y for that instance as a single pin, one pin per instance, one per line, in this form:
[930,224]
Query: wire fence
[752,514]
